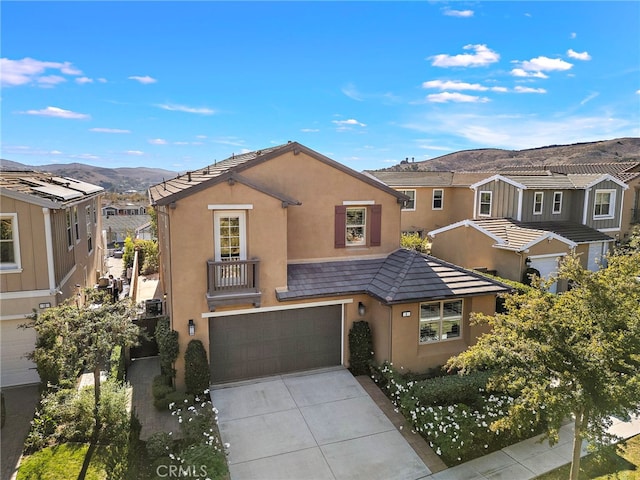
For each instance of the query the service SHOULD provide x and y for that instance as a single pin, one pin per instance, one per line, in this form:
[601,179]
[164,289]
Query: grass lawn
[622,466]
[64,462]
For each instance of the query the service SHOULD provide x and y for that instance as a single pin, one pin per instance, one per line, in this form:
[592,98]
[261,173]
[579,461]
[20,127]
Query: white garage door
[15,344]
[547,265]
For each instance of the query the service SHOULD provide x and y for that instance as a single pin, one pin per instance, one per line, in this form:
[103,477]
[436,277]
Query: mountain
[111,179]
[606,151]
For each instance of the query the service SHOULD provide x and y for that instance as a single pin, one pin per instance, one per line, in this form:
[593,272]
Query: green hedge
[168,347]
[360,348]
[117,364]
[196,375]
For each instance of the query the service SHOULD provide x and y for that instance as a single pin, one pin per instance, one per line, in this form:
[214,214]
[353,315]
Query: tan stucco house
[51,245]
[270,256]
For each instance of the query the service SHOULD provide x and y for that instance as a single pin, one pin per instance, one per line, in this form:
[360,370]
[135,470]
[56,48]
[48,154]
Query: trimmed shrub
[360,347]
[197,374]
[161,387]
[451,389]
[168,347]
[117,364]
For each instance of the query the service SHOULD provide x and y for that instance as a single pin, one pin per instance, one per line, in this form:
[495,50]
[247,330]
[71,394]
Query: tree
[84,335]
[196,368]
[576,354]
[413,241]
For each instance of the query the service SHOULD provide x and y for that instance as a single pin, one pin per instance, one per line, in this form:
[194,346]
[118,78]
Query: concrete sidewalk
[528,459]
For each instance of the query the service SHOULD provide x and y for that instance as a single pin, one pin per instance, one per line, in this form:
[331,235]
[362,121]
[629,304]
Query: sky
[180,85]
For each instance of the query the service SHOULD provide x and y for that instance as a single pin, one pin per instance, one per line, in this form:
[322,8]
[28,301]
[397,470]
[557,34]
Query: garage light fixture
[361,309]
[192,328]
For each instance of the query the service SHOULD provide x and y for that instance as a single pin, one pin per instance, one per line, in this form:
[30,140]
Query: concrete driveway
[313,425]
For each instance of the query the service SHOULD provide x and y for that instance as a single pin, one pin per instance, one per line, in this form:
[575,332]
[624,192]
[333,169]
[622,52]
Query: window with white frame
[411,203]
[557,202]
[604,202]
[440,321]
[538,198]
[485,203]
[9,242]
[356,226]
[438,199]
[89,235]
[69,229]
[76,225]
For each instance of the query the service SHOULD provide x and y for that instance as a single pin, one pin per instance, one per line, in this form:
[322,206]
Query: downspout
[49,247]
[390,334]
[475,202]
[519,216]
[584,207]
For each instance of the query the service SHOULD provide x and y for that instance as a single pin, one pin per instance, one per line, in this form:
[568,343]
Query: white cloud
[638,92]
[456,97]
[186,109]
[482,56]
[134,152]
[349,122]
[590,97]
[83,80]
[201,136]
[454,85]
[102,80]
[573,35]
[57,112]
[309,130]
[50,80]
[545,64]
[458,13]
[29,70]
[520,89]
[578,56]
[109,130]
[519,72]
[144,80]
[350,91]
[158,141]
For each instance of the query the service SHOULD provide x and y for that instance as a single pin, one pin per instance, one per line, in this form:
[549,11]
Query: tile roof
[403,276]
[611,168]
[230,169]
[555,180]
[517,235]
[427,179]
[45,189]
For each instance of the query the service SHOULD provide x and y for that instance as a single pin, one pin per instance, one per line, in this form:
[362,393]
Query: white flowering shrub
[199,451]
[457,431]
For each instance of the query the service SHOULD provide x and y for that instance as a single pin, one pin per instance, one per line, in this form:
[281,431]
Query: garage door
[547,266]
[15,344]
[269,343]
[597,251]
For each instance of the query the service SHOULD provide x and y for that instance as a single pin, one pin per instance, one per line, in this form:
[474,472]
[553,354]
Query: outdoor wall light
[361,309]
[192,328]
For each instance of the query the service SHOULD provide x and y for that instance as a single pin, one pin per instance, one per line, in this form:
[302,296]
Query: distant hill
[607,151]
[111,179]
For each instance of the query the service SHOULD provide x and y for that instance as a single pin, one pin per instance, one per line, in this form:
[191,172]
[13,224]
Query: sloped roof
[427,179]
[576,232]
[611,168]
[45,189]
[230,169]
[404,276]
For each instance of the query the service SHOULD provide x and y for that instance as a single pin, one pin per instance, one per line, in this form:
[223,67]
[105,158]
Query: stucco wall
[457,205]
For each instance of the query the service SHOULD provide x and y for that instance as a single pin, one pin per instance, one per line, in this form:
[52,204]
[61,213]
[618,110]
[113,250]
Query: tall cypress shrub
[196,374]
[360,347]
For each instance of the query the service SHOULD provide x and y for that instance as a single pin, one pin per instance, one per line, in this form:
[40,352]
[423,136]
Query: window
[440,321]
[557,202]
[604,204]
[438,197]
[356,226]
[411,203]
[75,223]
[485,204]
[9,242]
[538,197]
[69,229]
[89,235]
[230,236]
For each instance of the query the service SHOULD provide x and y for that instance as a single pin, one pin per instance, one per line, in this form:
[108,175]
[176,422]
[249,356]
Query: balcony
[234,282]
